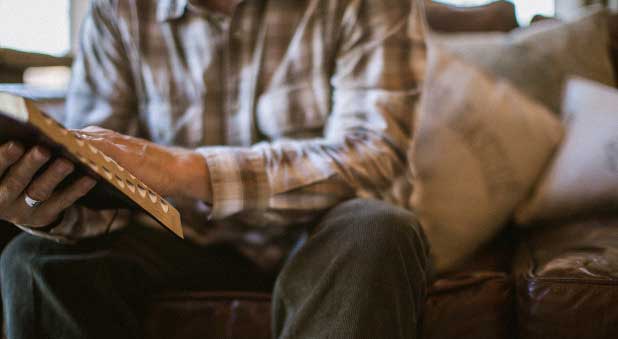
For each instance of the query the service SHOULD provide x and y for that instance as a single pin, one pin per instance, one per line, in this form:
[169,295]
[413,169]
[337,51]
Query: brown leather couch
[559,281]
[553,282]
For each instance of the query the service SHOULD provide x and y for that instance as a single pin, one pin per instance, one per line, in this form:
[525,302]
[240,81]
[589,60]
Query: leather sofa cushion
[476,302]
[495,16]
[473,305]
[205,315]
[567,281]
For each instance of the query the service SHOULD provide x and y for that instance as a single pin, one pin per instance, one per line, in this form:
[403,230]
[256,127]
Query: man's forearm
[190,174]
[170,171]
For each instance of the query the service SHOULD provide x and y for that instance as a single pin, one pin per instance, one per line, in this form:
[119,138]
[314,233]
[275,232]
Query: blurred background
[50,28]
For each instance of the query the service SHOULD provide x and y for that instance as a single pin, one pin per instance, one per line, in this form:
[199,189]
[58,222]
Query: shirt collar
[171,9]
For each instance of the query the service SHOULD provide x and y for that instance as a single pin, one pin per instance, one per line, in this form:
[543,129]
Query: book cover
[22,121]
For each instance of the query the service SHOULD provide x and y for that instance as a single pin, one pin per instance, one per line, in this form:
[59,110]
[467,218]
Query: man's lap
[366,254]
[157,260]
[144,257]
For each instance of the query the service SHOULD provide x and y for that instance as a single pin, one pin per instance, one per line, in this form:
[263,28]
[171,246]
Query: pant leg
[96,289]
[362,273]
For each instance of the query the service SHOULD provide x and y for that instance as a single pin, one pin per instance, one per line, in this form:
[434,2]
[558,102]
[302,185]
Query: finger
[20,174]
[44,185]
[92,133]
[10,152]
[93,129]
[61,200]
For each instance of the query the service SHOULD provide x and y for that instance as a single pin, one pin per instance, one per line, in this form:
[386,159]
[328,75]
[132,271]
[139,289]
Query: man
[263,117]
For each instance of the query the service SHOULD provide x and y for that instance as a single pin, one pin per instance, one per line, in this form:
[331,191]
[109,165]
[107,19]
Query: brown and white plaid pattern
[295,105]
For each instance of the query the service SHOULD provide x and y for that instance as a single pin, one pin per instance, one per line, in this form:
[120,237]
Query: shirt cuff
[69,219]
[238,178]
[79,223]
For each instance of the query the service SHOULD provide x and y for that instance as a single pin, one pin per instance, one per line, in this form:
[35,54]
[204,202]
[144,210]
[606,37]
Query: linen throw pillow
[583,177]
[538,59]
[479,146]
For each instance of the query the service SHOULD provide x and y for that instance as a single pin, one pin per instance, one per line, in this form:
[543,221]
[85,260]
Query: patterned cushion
[479,147]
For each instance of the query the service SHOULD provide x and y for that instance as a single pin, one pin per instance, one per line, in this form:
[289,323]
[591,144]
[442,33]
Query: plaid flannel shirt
[295,105]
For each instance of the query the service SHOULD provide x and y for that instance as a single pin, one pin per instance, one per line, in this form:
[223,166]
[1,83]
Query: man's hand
[18,168]
[170,171]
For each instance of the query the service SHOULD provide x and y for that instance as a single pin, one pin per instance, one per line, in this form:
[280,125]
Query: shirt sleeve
[102,89]
[101,93]
[375,86]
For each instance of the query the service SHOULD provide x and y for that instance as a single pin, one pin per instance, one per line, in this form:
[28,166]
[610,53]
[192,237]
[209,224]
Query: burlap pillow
[539,59]
[583,177]
[478,149]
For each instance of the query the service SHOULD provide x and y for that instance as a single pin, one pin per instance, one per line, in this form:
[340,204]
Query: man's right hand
[19,179]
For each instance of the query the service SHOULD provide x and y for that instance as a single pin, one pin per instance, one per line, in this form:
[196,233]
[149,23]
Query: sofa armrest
[496,16]
[566,280]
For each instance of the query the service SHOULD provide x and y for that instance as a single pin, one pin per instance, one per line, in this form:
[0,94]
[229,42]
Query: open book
[22,121]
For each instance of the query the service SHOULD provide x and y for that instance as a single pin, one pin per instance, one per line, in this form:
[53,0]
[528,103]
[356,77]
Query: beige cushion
[540,58]
[583,177]
[479,147]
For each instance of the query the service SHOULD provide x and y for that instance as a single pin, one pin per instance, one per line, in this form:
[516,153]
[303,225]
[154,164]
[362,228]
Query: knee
[20,257]
[377,229]
[16,254]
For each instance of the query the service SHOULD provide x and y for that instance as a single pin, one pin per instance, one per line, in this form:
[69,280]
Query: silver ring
[32,203]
